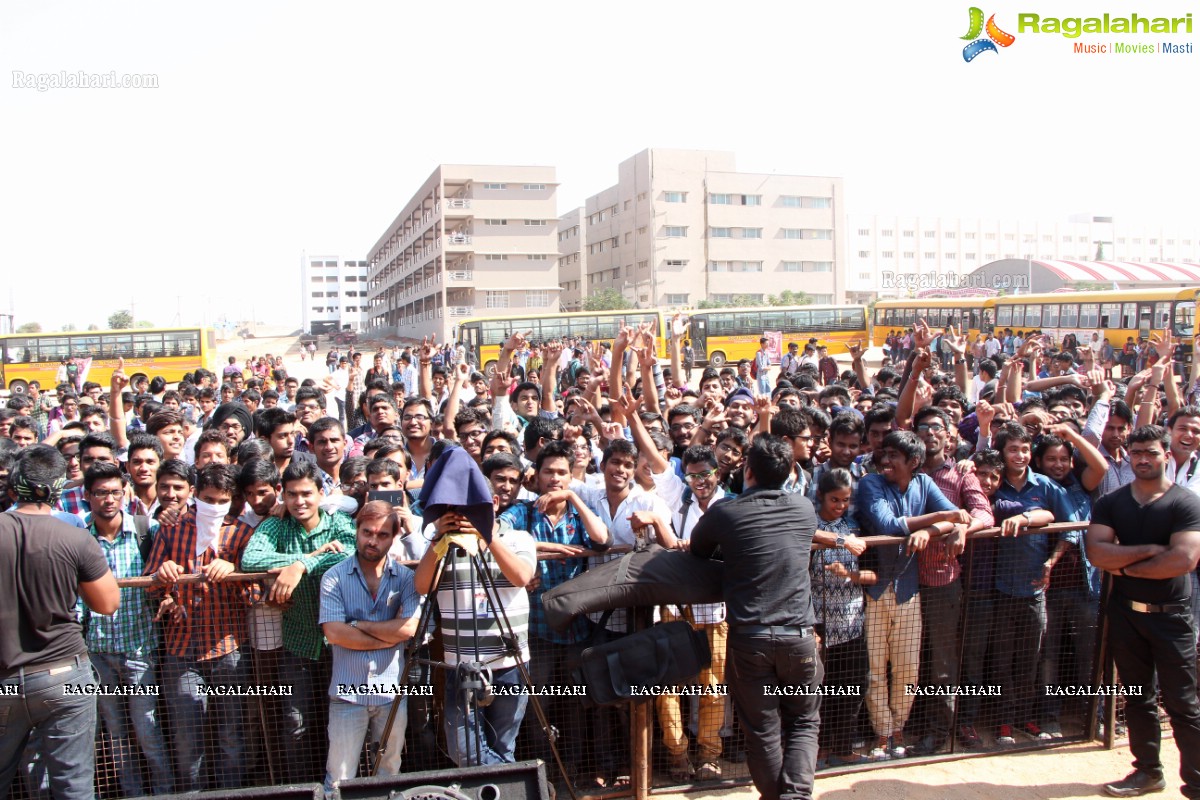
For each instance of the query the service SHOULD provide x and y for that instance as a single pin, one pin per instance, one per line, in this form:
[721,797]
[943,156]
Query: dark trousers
[1070,620]
[1164,645]
[939,622]
[1020,627]
[305,715]
[552,665]
[845,666]
[981,610]
[781,730]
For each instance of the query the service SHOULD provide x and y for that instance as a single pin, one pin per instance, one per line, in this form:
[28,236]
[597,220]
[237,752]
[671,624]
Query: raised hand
[956,341]
[923,336]
[856,351]
[119,381]
[985,413]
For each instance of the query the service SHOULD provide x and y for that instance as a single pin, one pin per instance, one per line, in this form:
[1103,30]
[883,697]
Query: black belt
[56,668]
[1150,608]
[771,630]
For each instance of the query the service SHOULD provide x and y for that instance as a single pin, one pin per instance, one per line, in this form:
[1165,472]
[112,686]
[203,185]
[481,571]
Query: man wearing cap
[739,409]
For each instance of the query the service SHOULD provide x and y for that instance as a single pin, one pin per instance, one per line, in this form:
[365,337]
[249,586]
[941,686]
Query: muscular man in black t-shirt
[44,565]
[1147,534]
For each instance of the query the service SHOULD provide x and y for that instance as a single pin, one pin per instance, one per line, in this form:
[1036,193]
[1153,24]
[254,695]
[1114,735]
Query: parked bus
[1115,315]
[970,314]
[720,335]
[169,352]
[485,335]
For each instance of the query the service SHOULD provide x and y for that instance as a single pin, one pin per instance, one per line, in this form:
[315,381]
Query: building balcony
[458,202]
[459,311]
[458,239]
[461,275]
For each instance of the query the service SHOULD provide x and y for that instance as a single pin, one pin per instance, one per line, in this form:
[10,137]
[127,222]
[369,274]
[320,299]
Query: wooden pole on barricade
[640,720]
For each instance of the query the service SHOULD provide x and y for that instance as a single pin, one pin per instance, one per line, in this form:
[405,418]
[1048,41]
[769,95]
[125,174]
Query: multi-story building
[335,293]
[472,241]
[884,247]
[683,226]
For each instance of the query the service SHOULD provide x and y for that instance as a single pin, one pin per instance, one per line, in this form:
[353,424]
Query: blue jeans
[348,724]
[192,712]
[116,669]
[498,722]
[764,383]
[66,724]
[781,730]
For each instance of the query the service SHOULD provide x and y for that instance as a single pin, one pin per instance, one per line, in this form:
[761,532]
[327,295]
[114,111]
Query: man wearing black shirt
[1147,534]
[764,537]
[44,565]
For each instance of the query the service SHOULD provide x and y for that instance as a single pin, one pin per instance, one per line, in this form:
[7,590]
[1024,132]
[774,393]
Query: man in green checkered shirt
[299,548]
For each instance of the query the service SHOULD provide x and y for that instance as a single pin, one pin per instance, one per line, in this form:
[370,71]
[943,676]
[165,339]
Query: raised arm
[425,364]
[856,363]
[116,419]
[551,352]
[616,368]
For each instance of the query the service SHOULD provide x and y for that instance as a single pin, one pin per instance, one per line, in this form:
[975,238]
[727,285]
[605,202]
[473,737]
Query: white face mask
[209,518]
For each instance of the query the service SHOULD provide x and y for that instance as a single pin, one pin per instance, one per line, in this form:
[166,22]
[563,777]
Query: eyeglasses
[308,407]
[102,494]
[930,428]
[479,434]
[71,456]
[806,438]
[357,486]
[414,418]
[686,426]
[230,426]
[697,477]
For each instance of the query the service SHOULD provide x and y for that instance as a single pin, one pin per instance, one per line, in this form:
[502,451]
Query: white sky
[284,127]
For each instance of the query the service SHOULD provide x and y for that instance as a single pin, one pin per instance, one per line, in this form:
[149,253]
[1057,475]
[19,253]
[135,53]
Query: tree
[30,327]
[789,298]
[606,300]
[143,323]
[120,319]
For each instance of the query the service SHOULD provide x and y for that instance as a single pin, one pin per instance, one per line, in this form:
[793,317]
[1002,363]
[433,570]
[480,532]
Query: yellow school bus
[485,335]
[1116,315]
[971,314]
[169,352]
[721,335]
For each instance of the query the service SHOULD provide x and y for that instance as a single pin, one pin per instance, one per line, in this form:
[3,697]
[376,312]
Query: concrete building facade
[886,252]
[334,292]
[683,226]
[472,241]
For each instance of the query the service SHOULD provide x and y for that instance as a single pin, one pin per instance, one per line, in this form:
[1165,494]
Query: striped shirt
[837,602]
[130,630]
[215,623]
[935,566]
[346,598]
[470,629]
[281,542]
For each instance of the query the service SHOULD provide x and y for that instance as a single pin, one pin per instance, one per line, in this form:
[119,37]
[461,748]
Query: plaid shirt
[935,567]
[281,542]
[216,613]
[523,516]
[72,501]
[130,630]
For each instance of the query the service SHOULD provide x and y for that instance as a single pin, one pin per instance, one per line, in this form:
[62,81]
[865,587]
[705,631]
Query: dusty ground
[1069,771]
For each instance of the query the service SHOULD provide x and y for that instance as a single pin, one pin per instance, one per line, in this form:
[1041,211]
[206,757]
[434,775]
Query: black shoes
[1135,784]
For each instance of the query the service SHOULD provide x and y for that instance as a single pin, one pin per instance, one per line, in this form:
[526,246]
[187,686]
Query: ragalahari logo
[995,36]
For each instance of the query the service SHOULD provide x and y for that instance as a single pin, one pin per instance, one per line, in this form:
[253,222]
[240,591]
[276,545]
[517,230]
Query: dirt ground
[1068,771]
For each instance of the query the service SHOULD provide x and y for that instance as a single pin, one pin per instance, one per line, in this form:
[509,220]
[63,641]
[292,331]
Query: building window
[792,233]
[864,253]
[642,230]
[676,299]
[496,257]
[950,256]
[645,264]
[537,298]
[720,199]
[816,202]
[495,299]
[908,234]
[534,187]
[628,203]
[671,262]
[886,232]
[949,234]
[495,222]
[751,233]
[721,233]
[495,186]
[864,231]
[675,231]
[888,254]
[791,266]
[535,223]
[537,256]
[789,201]
[930,234]
[909,254]
[818,266]
[735,266]
[675,197]
[930,255]
[970,256]
[816,233]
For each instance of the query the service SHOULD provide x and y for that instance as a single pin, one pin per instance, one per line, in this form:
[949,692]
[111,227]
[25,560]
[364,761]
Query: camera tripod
[471,673]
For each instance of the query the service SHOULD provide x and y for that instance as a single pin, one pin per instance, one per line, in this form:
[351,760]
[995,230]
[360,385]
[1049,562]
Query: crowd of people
[843,503]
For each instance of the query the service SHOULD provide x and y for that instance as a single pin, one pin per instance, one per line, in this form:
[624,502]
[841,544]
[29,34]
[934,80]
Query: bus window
[85,346]
[147,345]
[1162,315]
[182,343]
[1089,315]
[1004,316]
[1129,316]
[823,319]
[880,315]
[116,345]
[16,351]
[1110,314]
[53,349]
[1050,316]
[1068,317]
[989,319]
[1185,318]
[800,320]
[549,329]
[853,319]
[606,328]
[495,333]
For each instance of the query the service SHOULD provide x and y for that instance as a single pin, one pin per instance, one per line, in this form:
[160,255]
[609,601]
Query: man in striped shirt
[474,632]
[368,608]
[205,624]
[122,646]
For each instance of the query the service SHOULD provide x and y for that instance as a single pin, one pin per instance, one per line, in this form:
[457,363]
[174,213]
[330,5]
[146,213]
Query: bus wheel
[489,369]
[716,360]
[18,386]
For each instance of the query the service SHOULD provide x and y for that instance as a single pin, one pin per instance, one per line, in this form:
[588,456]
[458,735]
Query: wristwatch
[1028,517]
[354,624]
[841,540]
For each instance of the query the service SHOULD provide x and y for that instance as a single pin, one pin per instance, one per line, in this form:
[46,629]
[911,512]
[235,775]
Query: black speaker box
[295,791]
[525,780]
